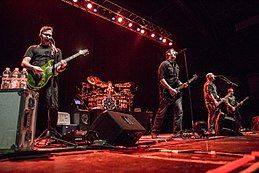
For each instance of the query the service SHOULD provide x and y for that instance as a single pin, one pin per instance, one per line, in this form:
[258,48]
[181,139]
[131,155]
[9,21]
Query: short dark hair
[45,28]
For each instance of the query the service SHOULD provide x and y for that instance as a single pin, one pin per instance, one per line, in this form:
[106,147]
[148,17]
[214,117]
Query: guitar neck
[189,81]
[240,103]
[67,59]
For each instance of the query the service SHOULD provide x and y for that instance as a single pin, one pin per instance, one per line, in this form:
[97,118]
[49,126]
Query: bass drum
[109,103]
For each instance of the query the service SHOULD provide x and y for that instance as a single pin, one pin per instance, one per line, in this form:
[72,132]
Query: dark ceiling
[217,29]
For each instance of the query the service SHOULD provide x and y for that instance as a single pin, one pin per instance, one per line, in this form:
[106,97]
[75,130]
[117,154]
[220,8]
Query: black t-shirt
[40,54]
[169,70]
[209,89]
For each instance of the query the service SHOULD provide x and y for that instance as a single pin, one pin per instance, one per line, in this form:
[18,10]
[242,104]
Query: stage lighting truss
[125,18]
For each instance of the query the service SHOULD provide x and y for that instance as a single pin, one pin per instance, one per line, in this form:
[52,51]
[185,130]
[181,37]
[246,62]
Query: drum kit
[96,94]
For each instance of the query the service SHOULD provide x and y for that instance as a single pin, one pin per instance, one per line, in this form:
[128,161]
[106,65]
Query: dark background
[220,36]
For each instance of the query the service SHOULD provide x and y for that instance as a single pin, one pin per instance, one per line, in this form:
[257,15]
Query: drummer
[110,89]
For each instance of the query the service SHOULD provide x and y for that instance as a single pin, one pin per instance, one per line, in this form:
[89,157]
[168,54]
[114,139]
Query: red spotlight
[130,25]
[153,35]
[164,40]
[120,19]
[75,1]
[89,5]
[142,31]
[170,44]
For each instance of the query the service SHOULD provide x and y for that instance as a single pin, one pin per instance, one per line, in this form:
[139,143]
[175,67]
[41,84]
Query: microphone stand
[189,87]
[227,80]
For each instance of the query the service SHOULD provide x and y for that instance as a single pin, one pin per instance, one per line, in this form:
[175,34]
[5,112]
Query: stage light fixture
[164,40]
[112,12]
[130,25]
[120,19]
[89,5]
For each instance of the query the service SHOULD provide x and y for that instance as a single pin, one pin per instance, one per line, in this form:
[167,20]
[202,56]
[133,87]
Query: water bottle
[15,78]
[23,78]
[6,80]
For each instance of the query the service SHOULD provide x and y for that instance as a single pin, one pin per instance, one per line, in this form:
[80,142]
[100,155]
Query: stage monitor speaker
[18,110]
[227,126]
[117,128]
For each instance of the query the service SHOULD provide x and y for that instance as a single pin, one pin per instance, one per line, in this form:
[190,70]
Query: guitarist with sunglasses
[35,57]
[168,76]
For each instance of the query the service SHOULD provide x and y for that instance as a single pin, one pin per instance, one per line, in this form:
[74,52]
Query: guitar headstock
[84,52]
[195,76]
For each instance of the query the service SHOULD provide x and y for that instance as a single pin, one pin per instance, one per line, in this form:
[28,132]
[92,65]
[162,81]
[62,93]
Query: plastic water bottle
[15,78]
[23,78]
[6,80]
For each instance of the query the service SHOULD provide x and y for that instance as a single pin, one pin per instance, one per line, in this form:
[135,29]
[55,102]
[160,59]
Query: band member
[232,106]
[34,58]
[211,101]
[168,76]
[110,89]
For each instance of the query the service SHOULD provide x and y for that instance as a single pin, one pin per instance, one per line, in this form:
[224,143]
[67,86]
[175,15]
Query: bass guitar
[171,98]
[38,81]
[238,105]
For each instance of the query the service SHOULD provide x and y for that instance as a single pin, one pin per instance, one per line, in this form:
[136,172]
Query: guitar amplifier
[18,113]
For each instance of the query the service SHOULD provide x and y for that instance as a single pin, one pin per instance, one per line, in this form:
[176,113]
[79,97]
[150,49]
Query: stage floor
[164,154]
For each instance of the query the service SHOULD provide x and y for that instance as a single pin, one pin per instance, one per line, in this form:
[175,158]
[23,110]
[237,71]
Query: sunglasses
[47,35]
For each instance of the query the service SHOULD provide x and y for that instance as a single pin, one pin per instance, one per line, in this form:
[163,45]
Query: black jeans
[47,106]
[161,112]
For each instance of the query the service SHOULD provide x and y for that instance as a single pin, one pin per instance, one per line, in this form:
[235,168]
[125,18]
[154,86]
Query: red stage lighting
[75,1]
[142,31]
[153,35]
[170,44]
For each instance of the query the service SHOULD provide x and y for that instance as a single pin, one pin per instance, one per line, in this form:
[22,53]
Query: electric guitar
[216,106]
[37,81]
[171,98]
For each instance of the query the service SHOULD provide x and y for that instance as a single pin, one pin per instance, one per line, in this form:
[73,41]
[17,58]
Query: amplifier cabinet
[18,114]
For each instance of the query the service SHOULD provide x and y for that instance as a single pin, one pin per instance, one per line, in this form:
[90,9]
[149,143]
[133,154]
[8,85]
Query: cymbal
[93,80]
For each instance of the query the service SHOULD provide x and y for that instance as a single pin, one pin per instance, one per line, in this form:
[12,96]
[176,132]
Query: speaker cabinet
[18,110]
[117,128]
[227,126]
